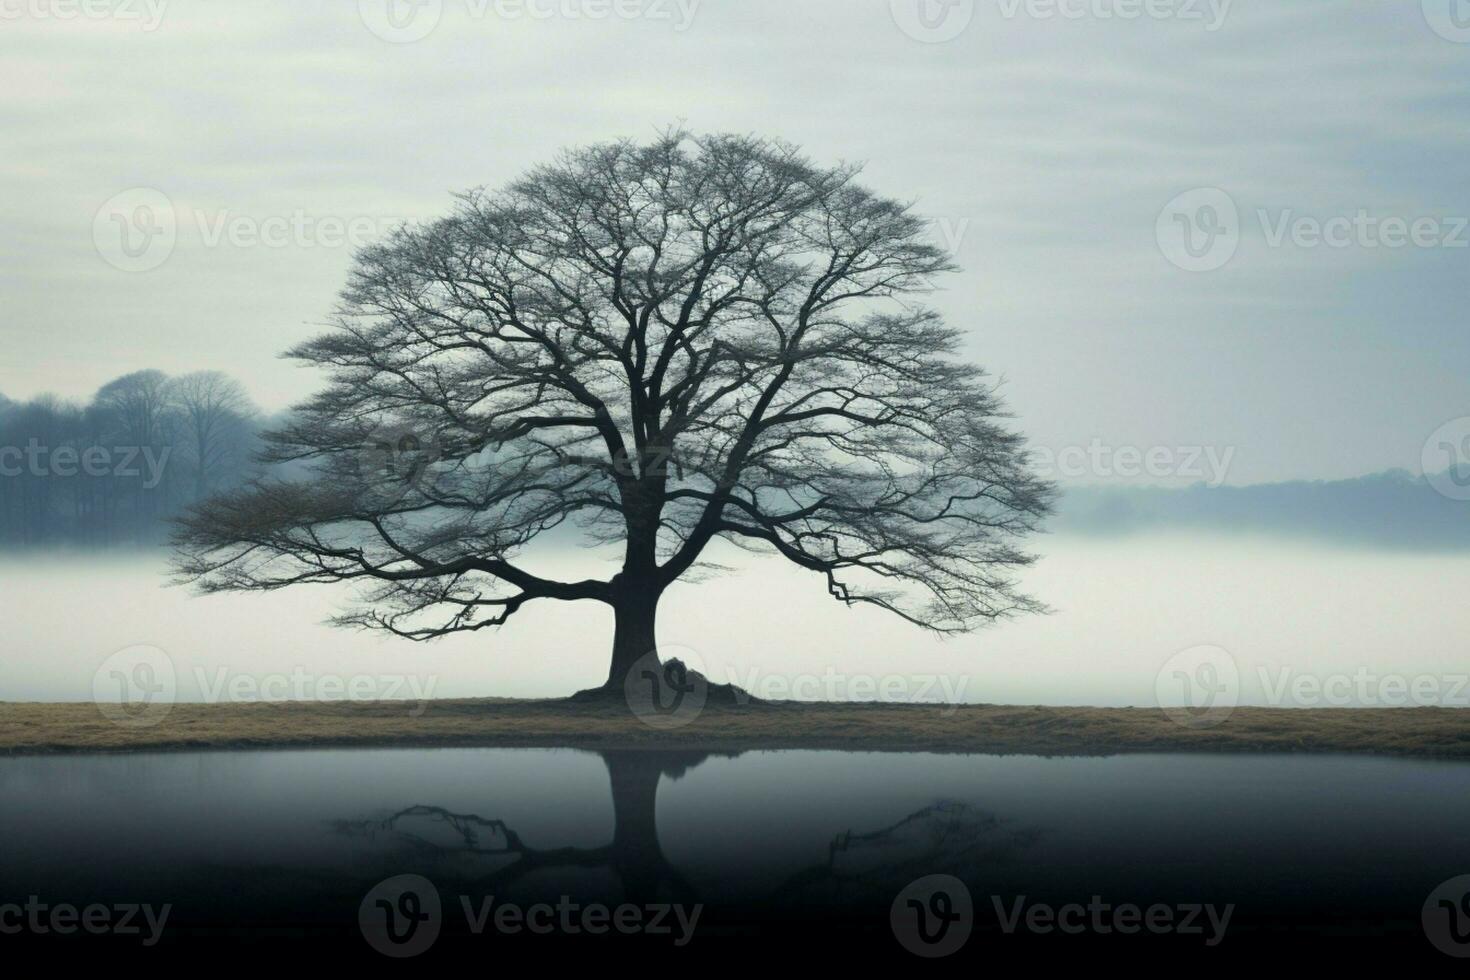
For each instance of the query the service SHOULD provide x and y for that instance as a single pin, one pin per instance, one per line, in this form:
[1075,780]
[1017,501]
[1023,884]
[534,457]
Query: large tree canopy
[659,345]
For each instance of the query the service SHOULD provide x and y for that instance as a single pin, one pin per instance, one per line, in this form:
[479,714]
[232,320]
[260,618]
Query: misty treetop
[661,345]
[114,470]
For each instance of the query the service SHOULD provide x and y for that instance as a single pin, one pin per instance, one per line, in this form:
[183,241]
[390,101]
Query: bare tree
[661,345]
[137,405]
[135,413]
[214,419]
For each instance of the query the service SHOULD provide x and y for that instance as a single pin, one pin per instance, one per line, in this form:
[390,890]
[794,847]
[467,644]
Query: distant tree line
[113,471]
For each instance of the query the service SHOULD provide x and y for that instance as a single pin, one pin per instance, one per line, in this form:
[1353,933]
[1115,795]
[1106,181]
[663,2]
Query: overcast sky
[1048,149]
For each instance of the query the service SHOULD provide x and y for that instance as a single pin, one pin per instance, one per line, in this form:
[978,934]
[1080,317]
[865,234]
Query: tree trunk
[635,608]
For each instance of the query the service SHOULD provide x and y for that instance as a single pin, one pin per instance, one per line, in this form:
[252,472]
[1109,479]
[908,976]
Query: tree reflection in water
[947,836]
[950,837]
[633,854]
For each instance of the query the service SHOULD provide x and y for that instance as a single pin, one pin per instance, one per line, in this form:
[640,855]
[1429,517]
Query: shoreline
[41,729]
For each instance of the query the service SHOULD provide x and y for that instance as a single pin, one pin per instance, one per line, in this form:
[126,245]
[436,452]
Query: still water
[792,847]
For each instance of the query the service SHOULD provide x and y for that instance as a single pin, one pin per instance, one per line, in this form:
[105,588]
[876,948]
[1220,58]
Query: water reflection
[768,842]
[869,867]
[633,855]
[487,853]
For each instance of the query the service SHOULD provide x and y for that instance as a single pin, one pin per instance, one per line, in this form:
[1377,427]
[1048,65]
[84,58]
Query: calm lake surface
[793,847]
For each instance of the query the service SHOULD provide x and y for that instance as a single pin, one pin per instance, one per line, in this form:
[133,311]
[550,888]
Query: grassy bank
[41,728]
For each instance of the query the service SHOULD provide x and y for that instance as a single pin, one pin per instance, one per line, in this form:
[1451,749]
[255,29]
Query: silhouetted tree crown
[661,344]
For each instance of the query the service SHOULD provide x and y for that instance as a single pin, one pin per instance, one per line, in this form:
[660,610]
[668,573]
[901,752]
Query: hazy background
[1124,606]
[1044,148]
